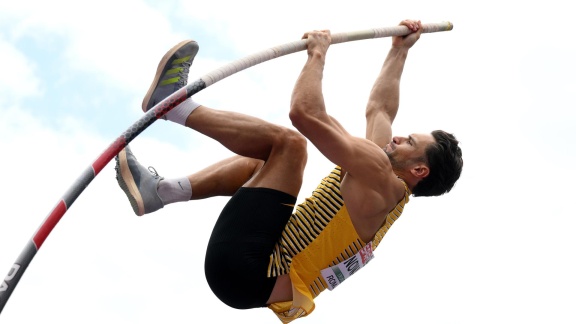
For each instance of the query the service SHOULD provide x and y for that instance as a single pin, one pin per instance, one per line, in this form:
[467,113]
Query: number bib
[336,274]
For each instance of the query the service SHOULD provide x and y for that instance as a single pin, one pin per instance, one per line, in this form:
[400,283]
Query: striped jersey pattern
[309,220]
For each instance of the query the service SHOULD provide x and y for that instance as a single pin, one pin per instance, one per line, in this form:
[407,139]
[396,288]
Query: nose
[398,139]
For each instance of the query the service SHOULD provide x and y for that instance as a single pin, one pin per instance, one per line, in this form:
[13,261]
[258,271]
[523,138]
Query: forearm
[385,94]
[307,98]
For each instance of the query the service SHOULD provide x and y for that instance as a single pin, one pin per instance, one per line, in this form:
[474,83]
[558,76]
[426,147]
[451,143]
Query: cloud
[19,79]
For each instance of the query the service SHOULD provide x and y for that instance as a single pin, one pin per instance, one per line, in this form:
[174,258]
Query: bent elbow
[297,116]
[306,116]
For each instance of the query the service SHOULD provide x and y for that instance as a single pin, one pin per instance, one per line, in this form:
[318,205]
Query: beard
[396,164]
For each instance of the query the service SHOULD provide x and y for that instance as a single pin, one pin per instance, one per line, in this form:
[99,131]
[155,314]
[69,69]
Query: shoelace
[184,73]
[153,171]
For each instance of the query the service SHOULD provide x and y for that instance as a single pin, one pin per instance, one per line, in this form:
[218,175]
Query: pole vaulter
[15,273]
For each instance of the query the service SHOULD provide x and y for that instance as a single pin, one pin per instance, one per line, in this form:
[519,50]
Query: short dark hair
[445,162]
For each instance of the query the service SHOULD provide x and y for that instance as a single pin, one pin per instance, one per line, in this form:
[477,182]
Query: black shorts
[241,243]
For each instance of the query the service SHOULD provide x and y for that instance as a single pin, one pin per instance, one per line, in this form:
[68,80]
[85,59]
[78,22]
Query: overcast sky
[498,249]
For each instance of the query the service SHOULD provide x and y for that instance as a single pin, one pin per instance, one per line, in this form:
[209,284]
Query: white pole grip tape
[300,45]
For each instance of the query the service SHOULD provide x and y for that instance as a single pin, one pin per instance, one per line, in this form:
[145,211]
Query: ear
[420,171]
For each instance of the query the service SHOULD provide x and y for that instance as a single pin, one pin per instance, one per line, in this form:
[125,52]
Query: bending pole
[17,270]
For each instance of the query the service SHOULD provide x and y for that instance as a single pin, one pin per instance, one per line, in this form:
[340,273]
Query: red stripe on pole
[49,224]
[109,154]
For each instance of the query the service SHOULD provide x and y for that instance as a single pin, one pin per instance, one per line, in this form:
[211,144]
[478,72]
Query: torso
[367,207]
[307,245]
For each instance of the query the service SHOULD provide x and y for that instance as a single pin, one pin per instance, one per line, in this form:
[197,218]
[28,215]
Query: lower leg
[220,179]
[242,134]
[283,150]
[224,178]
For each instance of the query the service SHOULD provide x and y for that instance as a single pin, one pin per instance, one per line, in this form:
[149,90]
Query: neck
[407,177]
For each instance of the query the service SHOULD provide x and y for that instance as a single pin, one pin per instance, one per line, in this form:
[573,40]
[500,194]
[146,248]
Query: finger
[419,26]
[411,24]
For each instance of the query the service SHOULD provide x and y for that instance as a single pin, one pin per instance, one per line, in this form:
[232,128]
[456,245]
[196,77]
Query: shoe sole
[127,183]
[160,69]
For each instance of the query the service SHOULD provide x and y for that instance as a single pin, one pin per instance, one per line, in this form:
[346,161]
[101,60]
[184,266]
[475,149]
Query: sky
[499,248]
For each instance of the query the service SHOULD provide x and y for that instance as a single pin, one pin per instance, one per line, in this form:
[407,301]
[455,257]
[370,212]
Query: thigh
[284,168]
[241,243]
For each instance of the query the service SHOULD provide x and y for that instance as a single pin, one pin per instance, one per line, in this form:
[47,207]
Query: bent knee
[293,141]
[296,141]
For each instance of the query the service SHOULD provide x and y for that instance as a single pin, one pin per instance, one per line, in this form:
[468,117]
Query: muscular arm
[362,159]
[370,185]
[384,98]
[307,108]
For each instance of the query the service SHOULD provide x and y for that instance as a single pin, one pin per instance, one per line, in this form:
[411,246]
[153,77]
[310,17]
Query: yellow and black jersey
[319,235]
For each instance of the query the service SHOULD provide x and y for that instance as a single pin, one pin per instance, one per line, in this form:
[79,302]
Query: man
[283,258]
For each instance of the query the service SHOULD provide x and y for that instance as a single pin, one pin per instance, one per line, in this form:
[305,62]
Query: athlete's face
[405,151]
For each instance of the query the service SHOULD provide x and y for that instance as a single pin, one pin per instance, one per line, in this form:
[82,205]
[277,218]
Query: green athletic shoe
[171,74]
[140,184]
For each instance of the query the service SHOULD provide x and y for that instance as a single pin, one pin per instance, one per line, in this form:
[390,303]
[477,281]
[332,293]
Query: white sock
[174,190]
[180,113]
